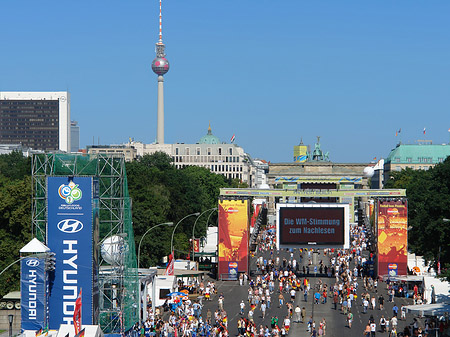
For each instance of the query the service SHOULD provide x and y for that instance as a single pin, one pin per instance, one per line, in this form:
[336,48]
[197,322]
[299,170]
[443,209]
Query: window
[220,151]
[187,151]
[230,151]
[409,160]
[176,151]
[198,151]
[209,151]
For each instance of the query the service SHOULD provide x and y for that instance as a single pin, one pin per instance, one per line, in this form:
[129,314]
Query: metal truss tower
[117,278]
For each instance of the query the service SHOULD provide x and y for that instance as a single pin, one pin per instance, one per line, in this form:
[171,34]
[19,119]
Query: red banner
[77,314]
[392,237]
[233,236]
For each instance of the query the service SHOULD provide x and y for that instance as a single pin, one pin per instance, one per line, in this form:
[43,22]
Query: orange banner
[233,236]
[392,237]
[196,245]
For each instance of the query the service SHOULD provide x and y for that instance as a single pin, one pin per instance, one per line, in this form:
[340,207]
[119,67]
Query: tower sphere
[160,65]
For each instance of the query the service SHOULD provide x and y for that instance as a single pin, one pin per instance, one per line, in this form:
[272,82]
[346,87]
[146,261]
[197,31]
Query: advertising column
[70,236]
[233,237]
[32,293]
[392,237]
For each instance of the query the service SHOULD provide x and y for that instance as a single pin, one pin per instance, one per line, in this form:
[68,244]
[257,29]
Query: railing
[228,277]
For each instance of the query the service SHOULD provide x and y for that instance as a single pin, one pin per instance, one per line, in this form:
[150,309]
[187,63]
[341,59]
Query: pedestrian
[316,297]
[280,300]
[263,309]
[383,323]
[403,313]
[394,323]
[303,314]
[395,310]
[373,329]
[381,301]
[335,300]
[242,306]
[350,319]
[297,313]
[365,305]
[324,326]
[367,330]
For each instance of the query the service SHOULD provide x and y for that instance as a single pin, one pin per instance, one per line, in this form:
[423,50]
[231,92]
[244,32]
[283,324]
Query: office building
[419,156]
[74,136]
[38,120]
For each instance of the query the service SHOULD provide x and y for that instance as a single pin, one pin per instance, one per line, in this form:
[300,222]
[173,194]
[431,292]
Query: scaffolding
[118,281]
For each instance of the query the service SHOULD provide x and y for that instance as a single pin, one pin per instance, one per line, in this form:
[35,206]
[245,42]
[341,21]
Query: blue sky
[270,72]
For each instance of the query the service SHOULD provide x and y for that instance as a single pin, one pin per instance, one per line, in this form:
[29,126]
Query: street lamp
[10,319]
[171,241]
[140,241]
[193,228]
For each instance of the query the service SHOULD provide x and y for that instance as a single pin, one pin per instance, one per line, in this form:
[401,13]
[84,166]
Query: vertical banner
[32,293]
[257,208]
[196,244]
[233,236]
[70,236]
[392,237]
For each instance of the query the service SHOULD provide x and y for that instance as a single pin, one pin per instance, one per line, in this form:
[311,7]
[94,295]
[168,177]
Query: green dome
[209,138]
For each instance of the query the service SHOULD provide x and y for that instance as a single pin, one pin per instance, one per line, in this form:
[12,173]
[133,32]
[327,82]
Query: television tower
[160,66]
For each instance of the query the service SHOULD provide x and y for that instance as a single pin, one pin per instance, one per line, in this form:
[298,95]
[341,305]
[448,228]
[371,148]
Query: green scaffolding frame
[118,284]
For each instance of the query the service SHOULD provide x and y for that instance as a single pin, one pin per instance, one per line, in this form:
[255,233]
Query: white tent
[90,330]
[34,246]
[437,309]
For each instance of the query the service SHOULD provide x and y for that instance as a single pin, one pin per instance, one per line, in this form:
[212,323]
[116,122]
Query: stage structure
[106,205]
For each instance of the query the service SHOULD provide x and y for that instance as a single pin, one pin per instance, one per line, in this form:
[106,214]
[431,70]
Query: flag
[67,335]
[39,332]
[424,130]
[397,132]
[448,130]
[45,331]
[77,314]
[80,334]
[374,158]
[233,138]
[169,269]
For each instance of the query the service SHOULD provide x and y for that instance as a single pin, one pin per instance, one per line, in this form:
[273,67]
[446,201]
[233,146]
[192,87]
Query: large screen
[305,225]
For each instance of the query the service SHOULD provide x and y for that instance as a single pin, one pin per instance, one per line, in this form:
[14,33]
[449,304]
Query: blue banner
[32,293]
[70,236]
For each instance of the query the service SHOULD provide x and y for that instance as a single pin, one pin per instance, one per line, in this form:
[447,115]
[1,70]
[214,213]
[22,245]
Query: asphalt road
[336,320]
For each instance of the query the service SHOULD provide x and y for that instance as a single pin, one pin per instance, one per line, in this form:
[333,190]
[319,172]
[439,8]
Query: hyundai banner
[69,235]
[32,293]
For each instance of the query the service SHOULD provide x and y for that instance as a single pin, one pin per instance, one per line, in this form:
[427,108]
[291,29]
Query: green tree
[161,193]
[15,228]
[428,205]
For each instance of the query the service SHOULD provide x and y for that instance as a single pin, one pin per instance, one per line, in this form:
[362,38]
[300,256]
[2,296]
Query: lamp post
[193,228]
[139,256]
[10,319]
[171,240]
[148,230]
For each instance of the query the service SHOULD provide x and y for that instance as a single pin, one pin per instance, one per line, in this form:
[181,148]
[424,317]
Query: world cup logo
[70,192]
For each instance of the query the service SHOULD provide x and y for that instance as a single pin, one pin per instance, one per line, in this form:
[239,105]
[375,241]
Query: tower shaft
[160,127]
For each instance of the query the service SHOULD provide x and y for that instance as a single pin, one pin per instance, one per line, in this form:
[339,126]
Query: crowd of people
[284,281]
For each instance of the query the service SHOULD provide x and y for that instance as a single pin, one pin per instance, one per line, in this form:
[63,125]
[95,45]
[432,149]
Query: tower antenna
[160,22]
